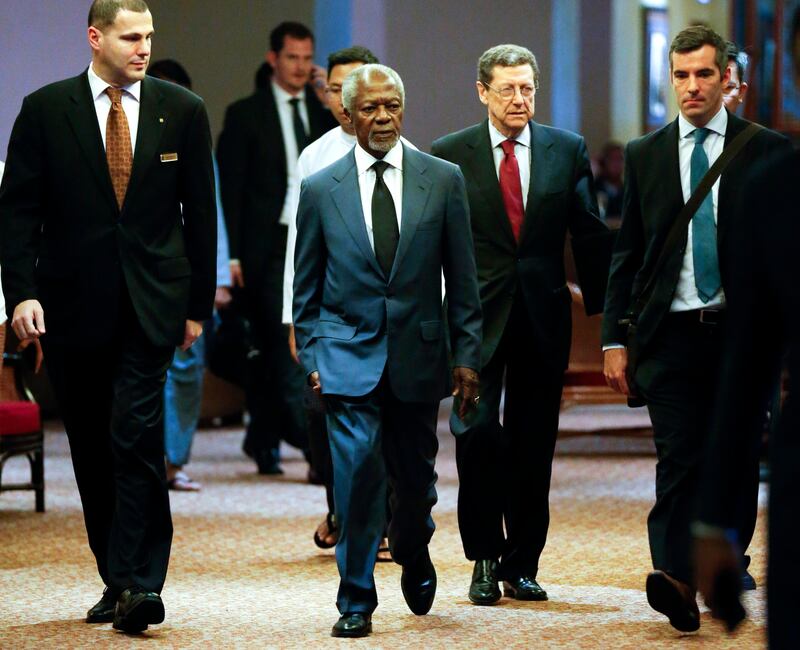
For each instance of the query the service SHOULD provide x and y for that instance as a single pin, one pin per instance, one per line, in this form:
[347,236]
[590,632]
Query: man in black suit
[680,328]
[108,227]
[764,310]
[257,154]
[527,185]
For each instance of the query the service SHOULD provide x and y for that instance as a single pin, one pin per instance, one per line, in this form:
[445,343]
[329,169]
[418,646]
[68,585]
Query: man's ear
[271,58]
[94,36]
[482,93]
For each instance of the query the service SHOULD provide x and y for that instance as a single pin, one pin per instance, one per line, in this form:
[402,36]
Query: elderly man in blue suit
[375,231]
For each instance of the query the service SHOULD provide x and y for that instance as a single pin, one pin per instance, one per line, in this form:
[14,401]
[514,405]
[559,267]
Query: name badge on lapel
[169,157]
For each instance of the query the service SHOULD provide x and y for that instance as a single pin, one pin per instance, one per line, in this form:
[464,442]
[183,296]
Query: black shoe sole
[516,594]
[148,612]
[664,598]
[352,634]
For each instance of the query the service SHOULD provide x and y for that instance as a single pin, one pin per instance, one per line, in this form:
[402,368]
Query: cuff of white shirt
[613,346]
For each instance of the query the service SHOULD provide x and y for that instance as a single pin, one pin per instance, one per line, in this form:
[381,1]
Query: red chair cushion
[18,418]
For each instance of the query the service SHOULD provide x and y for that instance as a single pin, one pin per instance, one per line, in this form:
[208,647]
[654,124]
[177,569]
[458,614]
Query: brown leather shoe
[675,599]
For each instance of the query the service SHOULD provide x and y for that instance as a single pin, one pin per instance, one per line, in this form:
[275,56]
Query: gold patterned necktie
[119,151]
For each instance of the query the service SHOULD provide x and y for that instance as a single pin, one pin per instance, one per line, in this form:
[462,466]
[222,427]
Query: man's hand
[314,382]
[319,81]
[293,345]
[465,386]
[222,298]
[718,575]
[237,277]
[615,368]
[39,353]
[191,333]
[28,320]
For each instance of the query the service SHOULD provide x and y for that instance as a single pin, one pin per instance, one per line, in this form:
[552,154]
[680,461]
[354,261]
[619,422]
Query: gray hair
[506,55]
[364,74]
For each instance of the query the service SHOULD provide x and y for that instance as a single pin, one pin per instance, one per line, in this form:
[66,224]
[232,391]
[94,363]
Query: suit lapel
[152,120]
[735,126]
[416,191]
[346,196]
[481,168]
[83,120]
[542,167]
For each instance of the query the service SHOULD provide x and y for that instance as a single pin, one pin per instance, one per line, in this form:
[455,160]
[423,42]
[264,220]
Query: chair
[20,425]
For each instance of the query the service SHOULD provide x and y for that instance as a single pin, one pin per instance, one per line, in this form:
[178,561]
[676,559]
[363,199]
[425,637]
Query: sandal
[182,483]
[384,554]
[333,531]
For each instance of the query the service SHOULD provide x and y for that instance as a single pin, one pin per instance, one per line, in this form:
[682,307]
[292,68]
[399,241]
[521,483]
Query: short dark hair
[103,13]
[354,54]
[739,57]
[170,70]
[277,37]
[693,38]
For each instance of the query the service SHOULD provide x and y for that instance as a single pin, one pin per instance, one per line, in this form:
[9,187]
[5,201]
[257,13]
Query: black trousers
[677,377]
[274,385]
[110,396]
[504,469]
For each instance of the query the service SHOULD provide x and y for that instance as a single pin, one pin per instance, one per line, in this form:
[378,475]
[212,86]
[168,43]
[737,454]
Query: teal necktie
[704,230]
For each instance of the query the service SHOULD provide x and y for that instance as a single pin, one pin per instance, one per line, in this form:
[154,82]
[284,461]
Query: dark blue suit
[379,346]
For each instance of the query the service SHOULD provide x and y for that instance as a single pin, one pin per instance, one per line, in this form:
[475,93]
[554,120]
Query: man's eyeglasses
[509,92]
[727,90]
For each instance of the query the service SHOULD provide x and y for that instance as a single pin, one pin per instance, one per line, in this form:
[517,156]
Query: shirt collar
[497,138]
[346,137]
[98,86]
[718,124]
[365,160]
[282,96]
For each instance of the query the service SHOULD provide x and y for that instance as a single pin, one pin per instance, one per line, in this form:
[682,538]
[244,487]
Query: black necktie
[385,233]
[300,136]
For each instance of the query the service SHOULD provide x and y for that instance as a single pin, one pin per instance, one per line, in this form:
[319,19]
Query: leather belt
[707,317]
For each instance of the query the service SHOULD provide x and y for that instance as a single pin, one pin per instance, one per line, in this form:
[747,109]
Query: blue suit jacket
[351,322]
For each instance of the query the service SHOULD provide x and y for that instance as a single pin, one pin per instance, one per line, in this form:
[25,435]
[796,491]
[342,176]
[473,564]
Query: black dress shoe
[136,609]
[524,588]
[103,610]
[675,599]
[484,590]
[267,462]
[353,625]
[418,583]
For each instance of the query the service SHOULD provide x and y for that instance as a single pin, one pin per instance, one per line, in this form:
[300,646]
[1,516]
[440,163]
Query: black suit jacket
[64,240]
[560,197]
[252,170]
[763,332]
[652,199]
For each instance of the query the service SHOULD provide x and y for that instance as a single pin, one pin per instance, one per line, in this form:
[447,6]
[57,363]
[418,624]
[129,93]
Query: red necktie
[511,188]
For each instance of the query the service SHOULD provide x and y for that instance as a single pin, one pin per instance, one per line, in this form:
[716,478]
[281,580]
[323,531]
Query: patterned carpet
[245,572]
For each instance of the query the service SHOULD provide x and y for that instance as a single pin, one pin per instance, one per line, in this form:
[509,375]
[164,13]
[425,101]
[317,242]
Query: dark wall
[435,49]
[221,44]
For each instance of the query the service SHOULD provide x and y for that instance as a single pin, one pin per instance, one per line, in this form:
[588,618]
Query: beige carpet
[245,572]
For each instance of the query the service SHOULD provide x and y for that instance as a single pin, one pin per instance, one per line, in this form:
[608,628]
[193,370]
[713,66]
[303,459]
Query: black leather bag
[233,348]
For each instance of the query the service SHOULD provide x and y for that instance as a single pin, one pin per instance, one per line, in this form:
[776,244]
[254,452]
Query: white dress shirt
[324,151]
[131,95]
[522,150]
[392,176]
[286,117]
[686,297]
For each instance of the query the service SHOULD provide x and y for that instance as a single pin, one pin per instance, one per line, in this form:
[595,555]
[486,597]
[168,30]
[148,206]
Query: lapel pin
[161,119]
